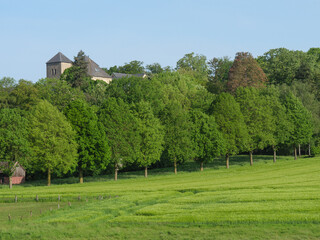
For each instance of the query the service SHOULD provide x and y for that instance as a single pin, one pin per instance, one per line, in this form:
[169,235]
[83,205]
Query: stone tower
[57,65]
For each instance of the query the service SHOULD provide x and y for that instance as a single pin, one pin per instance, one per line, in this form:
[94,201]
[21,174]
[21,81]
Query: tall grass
[264,201]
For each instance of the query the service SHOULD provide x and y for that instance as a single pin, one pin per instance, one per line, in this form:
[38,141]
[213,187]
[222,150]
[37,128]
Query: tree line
[198,111]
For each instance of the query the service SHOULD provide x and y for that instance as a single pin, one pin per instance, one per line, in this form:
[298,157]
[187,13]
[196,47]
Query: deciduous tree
[258,118]
[14,144]
[121,128]
[52,140]
[93,149]
[245,72]
[207,141]
[151,134]
[231,123]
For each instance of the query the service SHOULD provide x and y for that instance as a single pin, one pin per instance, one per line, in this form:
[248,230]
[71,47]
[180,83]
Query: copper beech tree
[245,72]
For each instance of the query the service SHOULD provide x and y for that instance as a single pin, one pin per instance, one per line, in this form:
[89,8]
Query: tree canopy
[52,139]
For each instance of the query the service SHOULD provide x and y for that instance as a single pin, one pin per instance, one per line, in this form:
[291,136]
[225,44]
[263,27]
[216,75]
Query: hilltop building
[59,63]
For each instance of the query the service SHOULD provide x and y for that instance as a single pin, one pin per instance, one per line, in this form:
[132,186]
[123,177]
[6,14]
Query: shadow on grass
[191,166]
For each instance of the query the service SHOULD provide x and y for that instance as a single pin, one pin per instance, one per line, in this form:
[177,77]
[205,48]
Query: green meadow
[264,201]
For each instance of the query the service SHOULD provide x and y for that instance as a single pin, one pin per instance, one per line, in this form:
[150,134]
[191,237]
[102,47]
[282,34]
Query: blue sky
[119,31]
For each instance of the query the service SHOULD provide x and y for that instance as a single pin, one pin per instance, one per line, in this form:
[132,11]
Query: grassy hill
[265,201]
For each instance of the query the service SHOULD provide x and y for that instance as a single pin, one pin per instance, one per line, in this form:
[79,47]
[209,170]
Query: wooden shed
[18,177]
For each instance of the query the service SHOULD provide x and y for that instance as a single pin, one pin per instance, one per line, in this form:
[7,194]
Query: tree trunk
[201,166]
[116,173]
[309,150]
[49,177]
[299,148]
[295,153]
[227,160]
[175,166]
[251,159]
[146,172]
[274,154]
[10,182]
[81,175]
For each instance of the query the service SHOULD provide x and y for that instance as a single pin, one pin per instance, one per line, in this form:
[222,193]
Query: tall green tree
[218,74]
[178,143]
[77,75]
[52,140]
[258,118]
[93,150]
[151,134]
[301,119]
[282,126]
[121,128]
[245,72]
[14,144]
[230,119]
[207,141]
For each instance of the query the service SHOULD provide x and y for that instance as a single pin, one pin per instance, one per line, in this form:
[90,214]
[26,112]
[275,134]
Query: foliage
[245,72]
[282,126]
[154,68]
[6,87]
[133,67]
[207,141]
[93,149]
[285,66]
[195,65]
[151,135]
[301,119]
[121,128]
[257,115]
[58,92]
[24,95]
[14,144]
[218,74]
[228,116]
[178,144]
[52,140]
[77,75]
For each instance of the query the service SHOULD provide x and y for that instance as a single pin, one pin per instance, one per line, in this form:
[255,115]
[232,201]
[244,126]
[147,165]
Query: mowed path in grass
[266,201]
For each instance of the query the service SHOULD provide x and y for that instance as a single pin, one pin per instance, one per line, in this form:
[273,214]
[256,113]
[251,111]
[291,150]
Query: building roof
[94,70]
[121,75]
[6,164]
[58,58]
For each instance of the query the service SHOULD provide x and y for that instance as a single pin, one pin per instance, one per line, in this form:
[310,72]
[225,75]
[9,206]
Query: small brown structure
[18,177]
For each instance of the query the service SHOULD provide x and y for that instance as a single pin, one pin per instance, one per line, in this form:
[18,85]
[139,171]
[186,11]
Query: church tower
[57,65]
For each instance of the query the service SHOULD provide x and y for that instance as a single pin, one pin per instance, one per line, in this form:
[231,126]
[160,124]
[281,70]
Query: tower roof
[58,58]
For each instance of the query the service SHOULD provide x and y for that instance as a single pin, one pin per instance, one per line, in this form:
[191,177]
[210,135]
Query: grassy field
[265,201]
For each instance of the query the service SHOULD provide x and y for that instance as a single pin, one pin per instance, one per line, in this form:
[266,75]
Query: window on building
[52,72]
[55,71]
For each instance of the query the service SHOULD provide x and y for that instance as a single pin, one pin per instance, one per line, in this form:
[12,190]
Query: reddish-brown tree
[245,72]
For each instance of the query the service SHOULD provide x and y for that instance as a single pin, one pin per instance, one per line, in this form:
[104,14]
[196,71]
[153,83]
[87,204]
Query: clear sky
[113,32]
